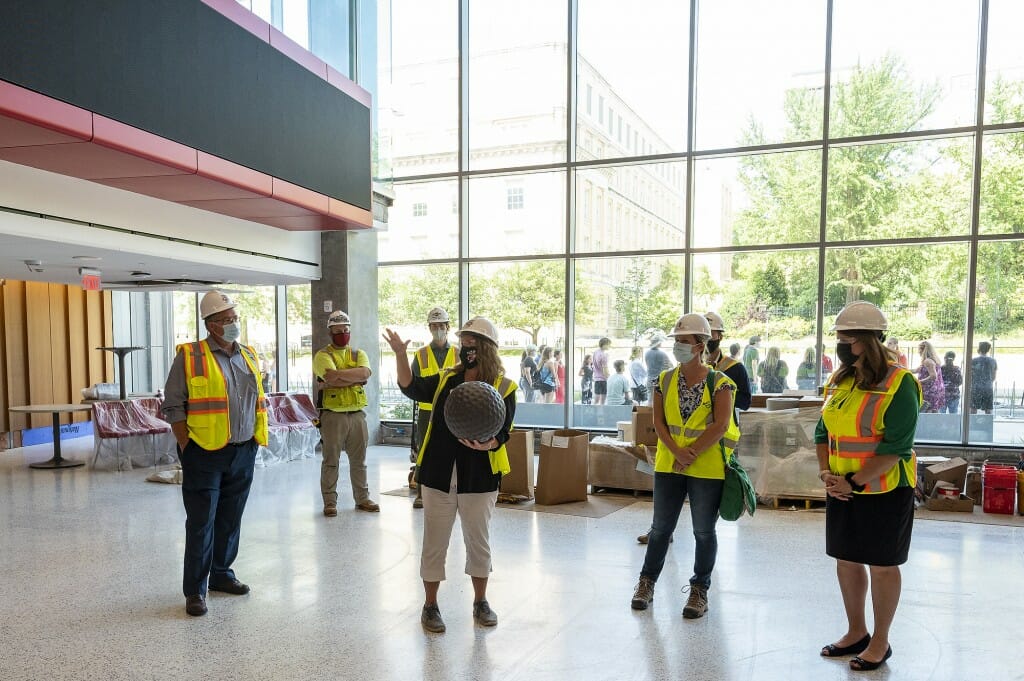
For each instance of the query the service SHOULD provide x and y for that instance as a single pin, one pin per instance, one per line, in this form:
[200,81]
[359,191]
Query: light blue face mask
[683,352]
[231,332]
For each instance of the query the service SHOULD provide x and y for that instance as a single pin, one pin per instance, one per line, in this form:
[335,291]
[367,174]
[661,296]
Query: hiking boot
[431,619]
[330,510]
[696,603]
[483,614]
[643,595]
[417,502]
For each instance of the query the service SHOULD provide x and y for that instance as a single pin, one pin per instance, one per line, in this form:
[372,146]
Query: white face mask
[440,336]
[683,352]
[232,332]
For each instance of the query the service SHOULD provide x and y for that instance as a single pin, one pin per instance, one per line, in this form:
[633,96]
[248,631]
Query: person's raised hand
[395,341]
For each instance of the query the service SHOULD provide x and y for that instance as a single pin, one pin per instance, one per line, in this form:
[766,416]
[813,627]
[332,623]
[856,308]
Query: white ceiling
[53,218]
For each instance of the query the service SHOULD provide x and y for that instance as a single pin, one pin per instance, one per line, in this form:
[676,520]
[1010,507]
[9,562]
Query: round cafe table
[56,409]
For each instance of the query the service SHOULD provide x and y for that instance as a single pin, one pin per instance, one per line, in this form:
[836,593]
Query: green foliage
[789,328]
[769,287]
[910,328]
[646,304]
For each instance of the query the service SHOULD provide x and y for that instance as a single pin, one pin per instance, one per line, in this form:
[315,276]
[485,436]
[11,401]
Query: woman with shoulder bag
[693,416]
[638,376]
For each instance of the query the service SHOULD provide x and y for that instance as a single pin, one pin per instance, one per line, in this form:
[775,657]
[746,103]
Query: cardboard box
[611,465]
[938,502]
[953,471]
[643,427]
[625,430]
[562,469]
[520,458]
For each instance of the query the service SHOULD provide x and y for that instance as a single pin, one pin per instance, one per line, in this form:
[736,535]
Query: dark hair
[984,347]
[620,365]
[604,342]
[950,355]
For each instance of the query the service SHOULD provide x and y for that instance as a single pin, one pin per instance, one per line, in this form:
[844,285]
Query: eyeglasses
[225,320]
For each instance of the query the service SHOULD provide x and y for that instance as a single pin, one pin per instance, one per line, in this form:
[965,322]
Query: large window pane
[1004,64]
[772,295]
[406,295]
[760,72]
[522,214]
[1002,177]
[630,208]
[899,66]
[526,300]
[419,87]
[889,191]
[517,83]
[923,291]
[256,311]
[422,223]
[757,199]
[998,322]
[299,337]
[625,300]
[631,81]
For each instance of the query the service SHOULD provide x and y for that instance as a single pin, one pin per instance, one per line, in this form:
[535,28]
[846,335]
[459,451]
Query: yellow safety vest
[428,366]
[499,457]
[350,397]
[725,362]
[855,420]
[208,417]
[709,463]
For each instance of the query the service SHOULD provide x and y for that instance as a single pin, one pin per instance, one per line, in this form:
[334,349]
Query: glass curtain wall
[590,171]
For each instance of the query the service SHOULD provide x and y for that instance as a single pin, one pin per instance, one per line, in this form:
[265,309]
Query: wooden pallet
[793,502]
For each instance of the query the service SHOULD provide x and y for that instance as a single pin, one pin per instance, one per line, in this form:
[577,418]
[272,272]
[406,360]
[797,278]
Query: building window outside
[419,209]
[514,198]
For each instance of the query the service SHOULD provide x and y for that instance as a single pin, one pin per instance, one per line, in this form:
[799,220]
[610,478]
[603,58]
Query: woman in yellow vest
[693,416]
[865,443]
[458,476]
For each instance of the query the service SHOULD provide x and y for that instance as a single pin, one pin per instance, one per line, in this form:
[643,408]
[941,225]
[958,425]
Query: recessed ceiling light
[86,257]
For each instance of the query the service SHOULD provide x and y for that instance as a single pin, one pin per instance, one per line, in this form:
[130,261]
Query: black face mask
[712,345]
[467,356]
[845,354]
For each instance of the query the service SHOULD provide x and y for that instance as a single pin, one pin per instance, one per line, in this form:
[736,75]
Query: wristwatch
[854,486]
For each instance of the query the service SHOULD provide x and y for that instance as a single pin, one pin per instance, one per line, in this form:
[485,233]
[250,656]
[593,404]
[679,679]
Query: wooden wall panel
[47,347]
[78,348]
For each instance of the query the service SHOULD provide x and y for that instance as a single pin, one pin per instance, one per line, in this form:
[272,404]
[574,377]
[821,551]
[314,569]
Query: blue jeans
[670,491]
[214,488]
[952,406]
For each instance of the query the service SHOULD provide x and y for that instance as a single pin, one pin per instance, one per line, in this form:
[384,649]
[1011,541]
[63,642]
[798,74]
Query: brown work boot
[696,603]
[643,595]
[368,505]
[330,510]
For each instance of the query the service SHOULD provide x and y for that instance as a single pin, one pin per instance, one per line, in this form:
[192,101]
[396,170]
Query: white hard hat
[481,326]
[860,315]
[715,321]
[691,324]
[214,302]
[338,318]
[437,316]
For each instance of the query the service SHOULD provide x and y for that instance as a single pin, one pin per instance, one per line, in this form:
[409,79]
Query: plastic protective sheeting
[130,434]
[777,449]
[293,434]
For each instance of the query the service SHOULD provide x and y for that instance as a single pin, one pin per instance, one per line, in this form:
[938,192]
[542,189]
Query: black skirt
[873,529]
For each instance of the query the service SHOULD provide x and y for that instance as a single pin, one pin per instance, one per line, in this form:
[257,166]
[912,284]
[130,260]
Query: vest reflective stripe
[351,397]
[709,462]
[499,457]
[208,417]
[855,430]
[428,366]
[725,362]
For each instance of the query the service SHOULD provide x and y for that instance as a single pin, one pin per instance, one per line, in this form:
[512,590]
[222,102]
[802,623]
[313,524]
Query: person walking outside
[693,416]
[216,406]
[983,376]
[638,376]
[657,360]
[344,371]
[952,379]
[864,441]
[459,477]
[601,361]
[751,358]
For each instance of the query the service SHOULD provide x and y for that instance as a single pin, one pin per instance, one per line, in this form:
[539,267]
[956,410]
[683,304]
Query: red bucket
[1000,488]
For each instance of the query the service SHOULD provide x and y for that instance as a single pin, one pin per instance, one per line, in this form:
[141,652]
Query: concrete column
[348,263]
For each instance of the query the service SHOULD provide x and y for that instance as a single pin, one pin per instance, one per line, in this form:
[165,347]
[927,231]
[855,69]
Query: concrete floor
[91,572]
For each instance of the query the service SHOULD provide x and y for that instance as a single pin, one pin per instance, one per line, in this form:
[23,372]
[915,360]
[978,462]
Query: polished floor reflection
[91,568]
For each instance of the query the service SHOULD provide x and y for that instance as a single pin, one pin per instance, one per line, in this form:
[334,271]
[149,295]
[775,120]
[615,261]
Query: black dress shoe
[859,664]
[195,605]
[231,587]
[832,650]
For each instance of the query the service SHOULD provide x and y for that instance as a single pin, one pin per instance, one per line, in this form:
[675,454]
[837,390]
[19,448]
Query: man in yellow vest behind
[344,371]
[429,360]
[217,411]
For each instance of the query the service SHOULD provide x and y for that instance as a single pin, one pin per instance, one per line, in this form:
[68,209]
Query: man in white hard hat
[343,371]
[429,360]
[217,411]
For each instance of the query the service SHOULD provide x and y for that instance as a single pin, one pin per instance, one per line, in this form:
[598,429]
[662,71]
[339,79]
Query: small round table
[121,351]
[56,410]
